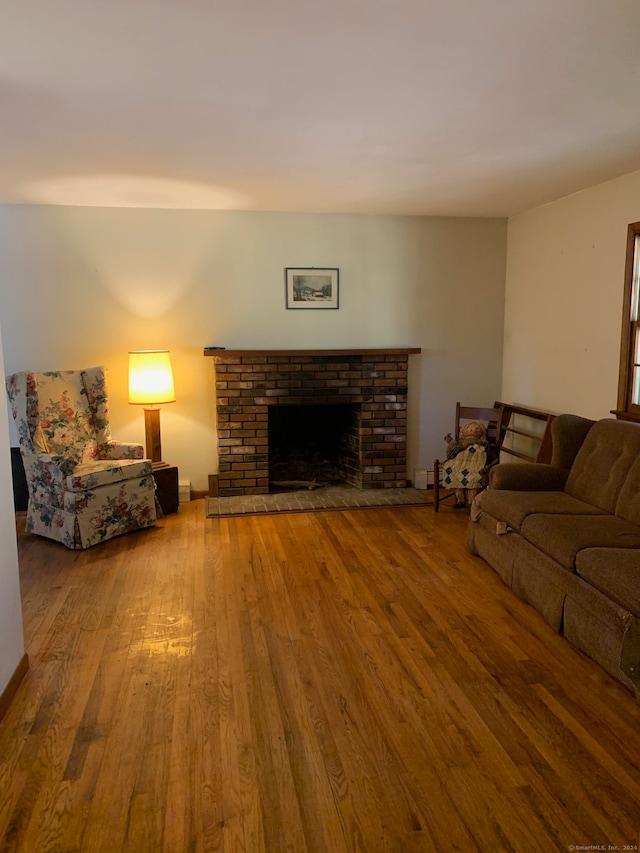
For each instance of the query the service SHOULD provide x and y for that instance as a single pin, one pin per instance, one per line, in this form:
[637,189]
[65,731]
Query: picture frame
[312,288]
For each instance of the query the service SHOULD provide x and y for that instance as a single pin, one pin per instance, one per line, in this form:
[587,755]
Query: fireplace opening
[313,446]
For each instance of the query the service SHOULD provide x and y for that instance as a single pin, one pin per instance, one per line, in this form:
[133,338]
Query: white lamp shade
[150,378]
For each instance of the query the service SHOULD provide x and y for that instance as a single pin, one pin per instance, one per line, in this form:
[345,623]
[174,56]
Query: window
[629,379]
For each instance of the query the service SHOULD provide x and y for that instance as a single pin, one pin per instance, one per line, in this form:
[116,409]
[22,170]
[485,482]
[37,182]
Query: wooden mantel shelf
[234,353]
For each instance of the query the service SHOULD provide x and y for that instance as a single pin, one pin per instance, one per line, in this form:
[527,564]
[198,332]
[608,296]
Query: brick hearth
[249,381]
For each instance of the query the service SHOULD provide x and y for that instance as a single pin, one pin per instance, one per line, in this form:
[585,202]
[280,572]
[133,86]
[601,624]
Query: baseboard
[6,698]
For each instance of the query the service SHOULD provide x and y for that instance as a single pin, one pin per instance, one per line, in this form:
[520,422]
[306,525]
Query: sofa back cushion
[603,463]
[568,433]
[628,503]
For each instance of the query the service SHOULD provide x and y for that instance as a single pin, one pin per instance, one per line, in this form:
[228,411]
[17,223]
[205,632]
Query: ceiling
[421,107]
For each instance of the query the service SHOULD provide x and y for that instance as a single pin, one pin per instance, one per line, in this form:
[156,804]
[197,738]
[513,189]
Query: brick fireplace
[373,383]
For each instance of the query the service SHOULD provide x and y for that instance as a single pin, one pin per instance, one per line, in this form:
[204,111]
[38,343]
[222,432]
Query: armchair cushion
[90,475]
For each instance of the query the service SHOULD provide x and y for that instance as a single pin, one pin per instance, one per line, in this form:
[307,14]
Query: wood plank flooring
[344,682]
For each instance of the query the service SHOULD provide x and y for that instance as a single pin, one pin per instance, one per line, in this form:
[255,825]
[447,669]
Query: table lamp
[151,385]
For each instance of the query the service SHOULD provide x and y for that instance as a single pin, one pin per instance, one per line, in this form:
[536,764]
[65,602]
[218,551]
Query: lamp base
[152,435]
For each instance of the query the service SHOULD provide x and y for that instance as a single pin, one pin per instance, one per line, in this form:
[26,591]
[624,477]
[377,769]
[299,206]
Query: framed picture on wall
[311,287]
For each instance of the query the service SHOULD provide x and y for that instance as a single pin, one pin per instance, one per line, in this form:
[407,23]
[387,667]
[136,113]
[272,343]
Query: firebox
[313,445]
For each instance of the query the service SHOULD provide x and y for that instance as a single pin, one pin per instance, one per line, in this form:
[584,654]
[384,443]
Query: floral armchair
[84,487]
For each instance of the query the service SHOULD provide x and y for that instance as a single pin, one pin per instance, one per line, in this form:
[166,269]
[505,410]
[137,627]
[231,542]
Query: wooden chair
[493,419]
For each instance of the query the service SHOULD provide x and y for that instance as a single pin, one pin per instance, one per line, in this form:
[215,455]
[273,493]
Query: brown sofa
[566,538]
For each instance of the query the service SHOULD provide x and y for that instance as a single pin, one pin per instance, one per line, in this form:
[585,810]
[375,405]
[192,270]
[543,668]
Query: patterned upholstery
[467,470]
[84,487]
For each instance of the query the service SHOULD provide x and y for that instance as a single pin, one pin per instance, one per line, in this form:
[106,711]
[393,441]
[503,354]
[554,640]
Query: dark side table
[20,488]
[166,477]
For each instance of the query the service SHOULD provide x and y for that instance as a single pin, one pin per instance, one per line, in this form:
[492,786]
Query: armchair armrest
[528,477]
[48,462]
[46,474]
[123,450]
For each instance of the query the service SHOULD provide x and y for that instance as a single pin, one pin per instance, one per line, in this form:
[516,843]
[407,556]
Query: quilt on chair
[466,470]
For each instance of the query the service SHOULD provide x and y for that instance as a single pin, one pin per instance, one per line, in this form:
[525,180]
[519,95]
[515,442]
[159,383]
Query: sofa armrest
[123,450]
[528,477]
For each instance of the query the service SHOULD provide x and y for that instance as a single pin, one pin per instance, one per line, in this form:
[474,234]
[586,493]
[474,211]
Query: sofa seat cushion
[101,472]
[615,572]
[514,507]
[563,536]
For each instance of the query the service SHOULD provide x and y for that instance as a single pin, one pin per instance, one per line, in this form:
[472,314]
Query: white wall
[563,312]
[82,286]
[11,642]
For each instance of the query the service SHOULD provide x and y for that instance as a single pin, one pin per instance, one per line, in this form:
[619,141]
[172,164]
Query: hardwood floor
[337,681]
